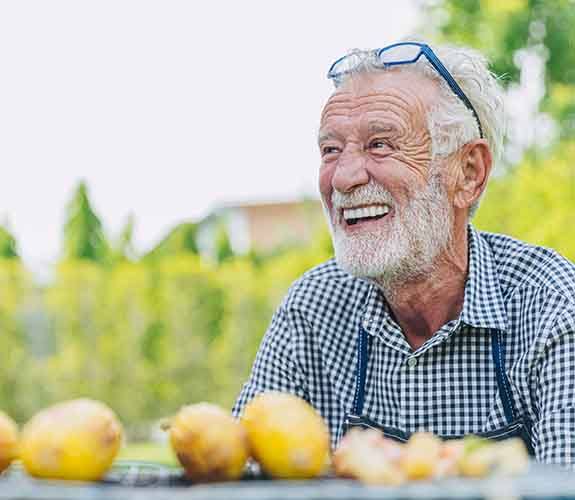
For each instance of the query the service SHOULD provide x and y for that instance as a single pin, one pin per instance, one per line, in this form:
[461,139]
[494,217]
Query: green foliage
[83,235]
[124,247]
[501,28]
[247,311]
[223,245]
[145,337]
[8,248]
[182,239]
[15,298]
[535,201]
[149,452]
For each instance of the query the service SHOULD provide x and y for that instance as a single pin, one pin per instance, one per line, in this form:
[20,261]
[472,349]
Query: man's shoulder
[324,283]
[520,264]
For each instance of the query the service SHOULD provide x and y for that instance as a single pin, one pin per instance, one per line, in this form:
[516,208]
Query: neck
[423,306]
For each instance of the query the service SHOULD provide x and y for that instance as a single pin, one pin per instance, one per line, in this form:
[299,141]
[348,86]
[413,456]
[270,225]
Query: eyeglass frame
[431,58]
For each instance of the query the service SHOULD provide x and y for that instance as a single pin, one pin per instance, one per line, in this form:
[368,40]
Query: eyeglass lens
[399,54]
[350,62]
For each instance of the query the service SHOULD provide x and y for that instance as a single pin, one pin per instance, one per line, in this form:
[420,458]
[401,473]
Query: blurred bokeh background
[159,165]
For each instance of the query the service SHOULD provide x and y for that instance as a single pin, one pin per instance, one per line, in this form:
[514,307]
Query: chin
[389,261]
[363,256]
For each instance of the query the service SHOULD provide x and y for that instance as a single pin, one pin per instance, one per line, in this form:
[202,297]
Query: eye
[379,144]
[327,150]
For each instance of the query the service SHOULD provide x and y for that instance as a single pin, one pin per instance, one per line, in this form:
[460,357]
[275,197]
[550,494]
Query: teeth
[370,211]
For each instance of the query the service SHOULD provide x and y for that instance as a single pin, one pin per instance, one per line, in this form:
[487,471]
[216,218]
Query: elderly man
[421,322]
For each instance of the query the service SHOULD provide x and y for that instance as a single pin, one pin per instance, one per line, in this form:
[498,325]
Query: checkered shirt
[448,385]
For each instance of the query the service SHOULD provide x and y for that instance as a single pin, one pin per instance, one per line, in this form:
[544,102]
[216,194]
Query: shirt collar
[483,304]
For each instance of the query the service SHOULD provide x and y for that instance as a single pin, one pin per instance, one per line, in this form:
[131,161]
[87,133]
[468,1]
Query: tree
[535,201]
[223,245]
[180,240]
[503,29]
[8,247]
[84,238]
[124,246]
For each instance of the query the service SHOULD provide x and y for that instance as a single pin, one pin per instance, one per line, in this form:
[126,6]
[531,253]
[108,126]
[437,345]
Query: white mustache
[368,194]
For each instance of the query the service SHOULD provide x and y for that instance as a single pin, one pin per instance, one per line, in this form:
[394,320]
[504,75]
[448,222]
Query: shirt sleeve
[554,432]
[276,367]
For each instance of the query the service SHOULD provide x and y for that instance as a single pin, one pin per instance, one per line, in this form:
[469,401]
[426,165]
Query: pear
[76,440]
[210,444]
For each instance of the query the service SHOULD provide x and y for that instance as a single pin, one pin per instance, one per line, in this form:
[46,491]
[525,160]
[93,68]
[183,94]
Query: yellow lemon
[76,439]
[287,436]
[210,444]
[8,441]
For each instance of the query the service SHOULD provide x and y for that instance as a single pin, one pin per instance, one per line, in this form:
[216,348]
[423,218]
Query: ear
[475,167]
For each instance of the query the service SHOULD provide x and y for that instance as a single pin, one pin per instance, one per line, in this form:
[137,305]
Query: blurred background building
[262,227]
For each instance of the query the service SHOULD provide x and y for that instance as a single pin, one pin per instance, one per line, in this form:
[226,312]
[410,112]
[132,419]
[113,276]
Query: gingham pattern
[448,385]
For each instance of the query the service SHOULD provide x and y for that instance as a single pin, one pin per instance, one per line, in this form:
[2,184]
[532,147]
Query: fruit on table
[481,456]
[421,456]
[76,439]
[287,436]
[370,458]
[210,444]
[8,441]
[478,462]
[512,457]
[449,457]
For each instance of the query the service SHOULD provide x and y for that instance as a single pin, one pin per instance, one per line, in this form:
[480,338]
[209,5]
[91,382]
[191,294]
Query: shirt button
[411,362]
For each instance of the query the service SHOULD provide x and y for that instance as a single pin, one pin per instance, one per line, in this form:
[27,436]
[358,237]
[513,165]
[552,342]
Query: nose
[350,172]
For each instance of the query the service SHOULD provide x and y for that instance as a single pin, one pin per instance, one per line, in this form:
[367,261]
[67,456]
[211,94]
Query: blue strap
[498,353]
[360,372]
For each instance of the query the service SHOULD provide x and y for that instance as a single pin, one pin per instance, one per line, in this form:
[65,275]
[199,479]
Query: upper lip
[363,205]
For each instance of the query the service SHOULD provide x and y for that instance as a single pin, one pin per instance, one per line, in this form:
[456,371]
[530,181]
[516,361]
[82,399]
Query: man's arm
[276,367]
[554,432]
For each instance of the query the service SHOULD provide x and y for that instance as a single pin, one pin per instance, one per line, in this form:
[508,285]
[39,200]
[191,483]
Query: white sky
[166,108]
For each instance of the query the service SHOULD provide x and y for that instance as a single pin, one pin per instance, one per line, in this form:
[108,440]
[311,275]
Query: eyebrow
[381,127]
[325,136]
[373,128]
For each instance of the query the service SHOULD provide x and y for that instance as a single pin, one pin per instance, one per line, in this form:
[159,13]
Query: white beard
[416,235]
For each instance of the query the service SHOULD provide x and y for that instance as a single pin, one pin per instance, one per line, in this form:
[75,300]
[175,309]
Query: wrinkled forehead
[403,89]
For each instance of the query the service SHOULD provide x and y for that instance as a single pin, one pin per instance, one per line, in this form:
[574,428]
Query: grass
[149,452]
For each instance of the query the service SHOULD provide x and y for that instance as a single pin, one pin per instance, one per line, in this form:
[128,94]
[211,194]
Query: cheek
[397,177]
[418,159]
[415,150]
[325,184]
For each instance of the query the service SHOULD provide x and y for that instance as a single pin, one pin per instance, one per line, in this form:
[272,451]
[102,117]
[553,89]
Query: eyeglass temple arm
[443,71]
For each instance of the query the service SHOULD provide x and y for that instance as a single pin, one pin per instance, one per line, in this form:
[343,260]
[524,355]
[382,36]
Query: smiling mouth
[361,214]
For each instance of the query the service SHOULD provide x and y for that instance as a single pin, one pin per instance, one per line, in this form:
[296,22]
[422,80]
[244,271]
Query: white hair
[451,124]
